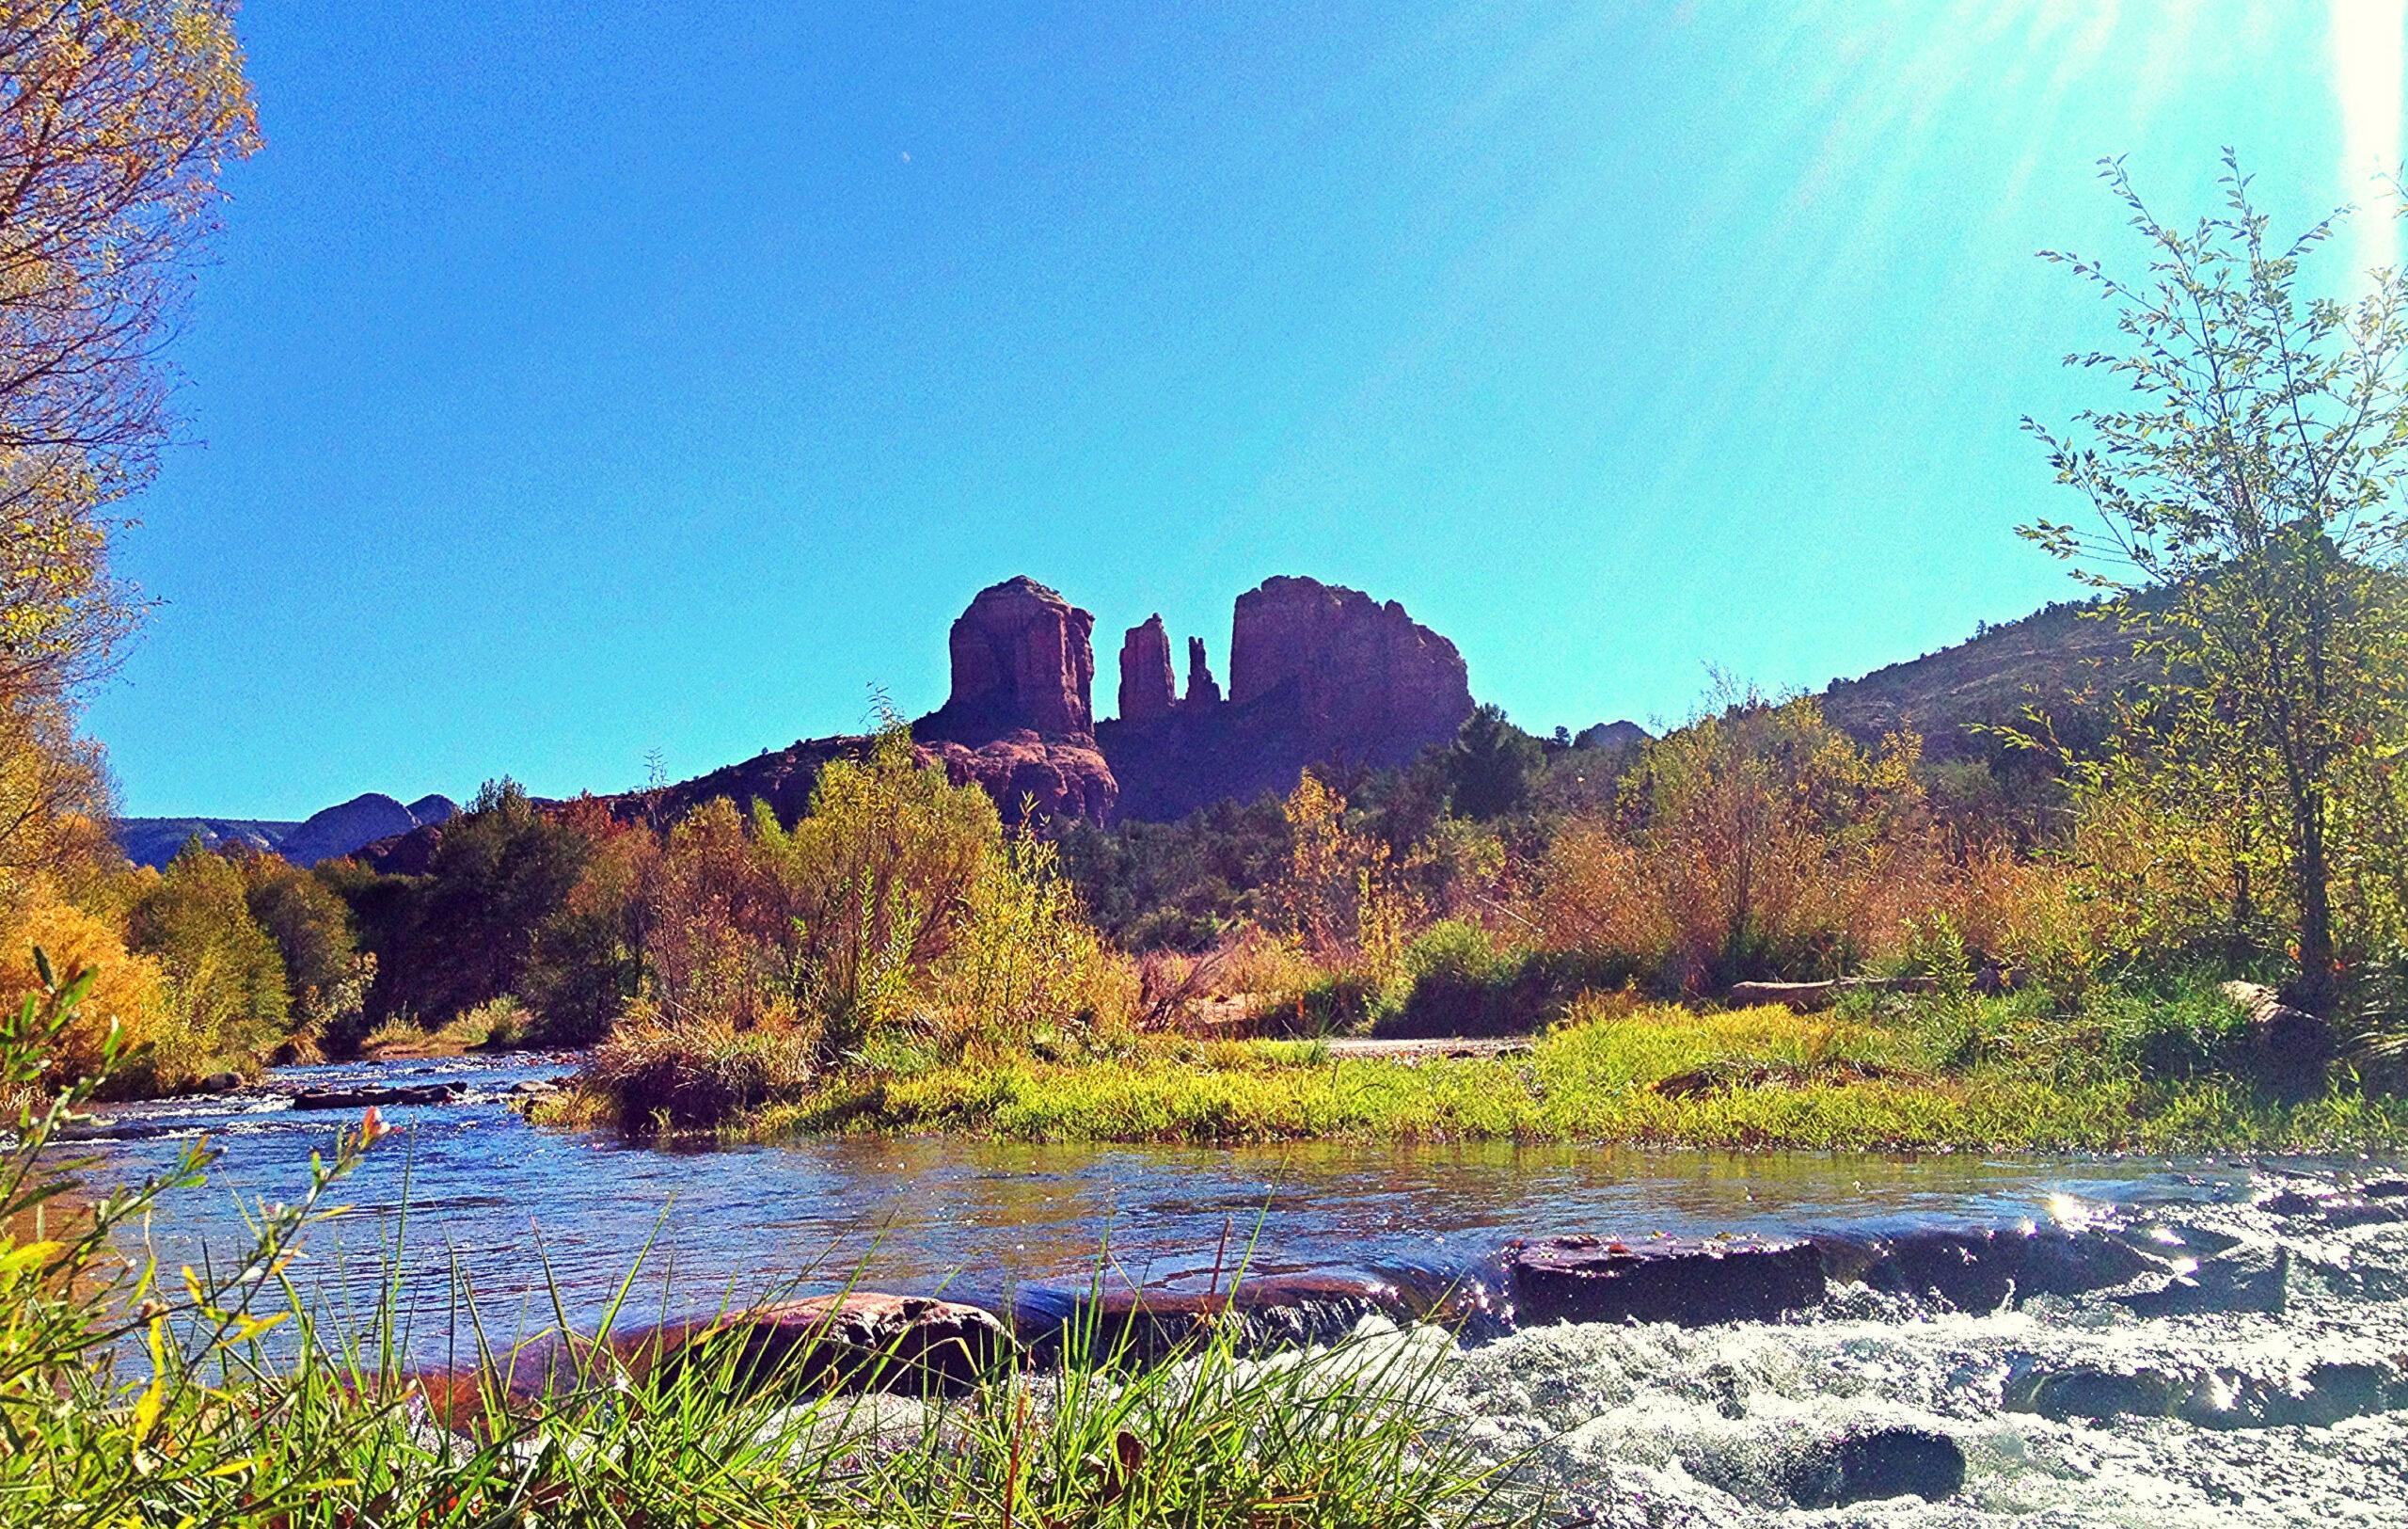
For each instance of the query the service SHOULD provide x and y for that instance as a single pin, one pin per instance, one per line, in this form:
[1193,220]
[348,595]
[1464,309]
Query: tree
[1490,765]
[464,934]
[224,976]
[116,118]
[2254,477]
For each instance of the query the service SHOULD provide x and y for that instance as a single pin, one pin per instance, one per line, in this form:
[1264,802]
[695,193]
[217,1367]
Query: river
[1648,1423]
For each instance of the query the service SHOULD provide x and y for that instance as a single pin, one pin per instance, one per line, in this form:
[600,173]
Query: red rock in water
[856,1342]
[859,1341]
[1021,658]
[1145,680]
[1690,1280]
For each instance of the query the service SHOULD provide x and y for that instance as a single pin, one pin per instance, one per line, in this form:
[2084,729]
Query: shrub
[127,991]
[464,934]
[694,1074]
[1463,983]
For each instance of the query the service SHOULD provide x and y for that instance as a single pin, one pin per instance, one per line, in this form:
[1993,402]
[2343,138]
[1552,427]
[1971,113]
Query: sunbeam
[2367,64]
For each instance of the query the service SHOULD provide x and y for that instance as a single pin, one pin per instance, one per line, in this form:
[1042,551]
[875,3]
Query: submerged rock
[423,1093]
[856,1342]
[1876,1463]
[2210,1398]
[2253,1277]
[859,1341]
[1149,1326]
[1688,1281]
[1983,1269]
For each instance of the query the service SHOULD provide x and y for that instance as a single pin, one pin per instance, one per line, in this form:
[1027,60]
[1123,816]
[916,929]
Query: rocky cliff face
[1317,672]
[1021,661]
[1019,721]
[1147,683]
[1368,680]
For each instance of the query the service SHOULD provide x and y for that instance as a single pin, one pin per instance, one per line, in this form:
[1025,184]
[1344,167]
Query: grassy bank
[2121,1072]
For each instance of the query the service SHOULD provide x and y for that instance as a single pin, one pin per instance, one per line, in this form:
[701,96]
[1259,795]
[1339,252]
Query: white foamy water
[1660,1426]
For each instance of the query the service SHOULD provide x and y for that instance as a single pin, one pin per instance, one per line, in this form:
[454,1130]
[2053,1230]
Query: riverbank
[2011,1073]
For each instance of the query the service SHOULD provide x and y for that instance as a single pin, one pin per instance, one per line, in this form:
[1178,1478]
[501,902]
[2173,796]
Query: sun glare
[2366,62]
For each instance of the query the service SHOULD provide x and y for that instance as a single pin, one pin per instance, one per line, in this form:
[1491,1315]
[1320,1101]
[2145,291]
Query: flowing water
[2296,1415]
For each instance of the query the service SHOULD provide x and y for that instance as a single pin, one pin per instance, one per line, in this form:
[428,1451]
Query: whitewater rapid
[2240,1417]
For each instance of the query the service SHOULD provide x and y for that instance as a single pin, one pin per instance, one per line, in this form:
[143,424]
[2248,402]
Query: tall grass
[2007,1072]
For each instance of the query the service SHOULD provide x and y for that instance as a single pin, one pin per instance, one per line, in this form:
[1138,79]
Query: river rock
[1867,1465]
[2253,1277]
[1982,1269]
[2091,1392]
[2321,1396]
[858,1340]
[1689,1281]
[220,1083]
[426,1093]
[549,1369]
[1146,1326]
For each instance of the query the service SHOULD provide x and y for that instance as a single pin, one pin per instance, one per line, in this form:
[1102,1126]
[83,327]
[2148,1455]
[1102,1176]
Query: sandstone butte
[1317,672]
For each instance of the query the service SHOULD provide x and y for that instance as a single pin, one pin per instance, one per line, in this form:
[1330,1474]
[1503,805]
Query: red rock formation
[1021,660]
[1202,689]
[1367,678]
[1316,674]
[1054,779]
[1145,680]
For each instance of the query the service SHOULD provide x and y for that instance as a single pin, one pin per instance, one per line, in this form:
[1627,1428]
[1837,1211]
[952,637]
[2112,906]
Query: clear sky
[577,380]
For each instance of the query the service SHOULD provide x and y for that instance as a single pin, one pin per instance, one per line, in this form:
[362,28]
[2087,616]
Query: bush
[2169,1038]
[127,991]
[1463,984]
[695,1074]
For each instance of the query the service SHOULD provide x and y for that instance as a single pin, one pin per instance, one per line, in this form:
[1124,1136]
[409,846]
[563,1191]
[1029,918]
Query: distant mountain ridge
[334,832]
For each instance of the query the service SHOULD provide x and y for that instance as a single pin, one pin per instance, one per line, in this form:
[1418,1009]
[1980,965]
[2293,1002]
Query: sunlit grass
[2006,1072]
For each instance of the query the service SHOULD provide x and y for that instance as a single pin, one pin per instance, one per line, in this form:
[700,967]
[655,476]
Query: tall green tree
[2252,473]
[1490,765]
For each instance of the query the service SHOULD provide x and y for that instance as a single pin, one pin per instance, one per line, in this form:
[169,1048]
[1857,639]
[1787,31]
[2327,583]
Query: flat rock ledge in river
[2320,1396]
[1692,1281]
[855,1342]
[423,1093]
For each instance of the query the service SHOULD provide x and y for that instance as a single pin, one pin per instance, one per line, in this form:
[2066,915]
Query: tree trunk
[2313,989]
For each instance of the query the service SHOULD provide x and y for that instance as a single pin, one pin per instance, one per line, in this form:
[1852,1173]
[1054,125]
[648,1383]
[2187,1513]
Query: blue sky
[577,380]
